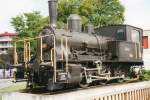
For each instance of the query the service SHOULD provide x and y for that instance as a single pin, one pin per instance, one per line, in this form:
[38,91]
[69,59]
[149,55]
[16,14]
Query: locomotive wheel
[83,83]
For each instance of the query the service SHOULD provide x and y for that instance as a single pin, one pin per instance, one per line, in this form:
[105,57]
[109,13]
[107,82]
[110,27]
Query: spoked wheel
[83,83]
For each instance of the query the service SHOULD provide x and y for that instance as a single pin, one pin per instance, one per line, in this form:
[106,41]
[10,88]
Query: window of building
[145,42]
[135,36]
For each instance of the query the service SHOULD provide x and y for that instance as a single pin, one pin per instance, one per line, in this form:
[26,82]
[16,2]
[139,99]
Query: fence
[140,94]
[6,73]
[130,91]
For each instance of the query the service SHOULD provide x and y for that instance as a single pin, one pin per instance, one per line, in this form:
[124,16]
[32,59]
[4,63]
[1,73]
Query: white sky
[11,8]
[137,12]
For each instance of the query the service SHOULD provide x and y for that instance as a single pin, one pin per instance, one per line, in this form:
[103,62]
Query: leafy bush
[147,74]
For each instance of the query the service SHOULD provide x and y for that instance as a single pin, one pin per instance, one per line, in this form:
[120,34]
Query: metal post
[62,56]
[66,53]
[29,51]
[24,51]
[135,50]
[140,55]
[54,59]
[15,55]
[41,49]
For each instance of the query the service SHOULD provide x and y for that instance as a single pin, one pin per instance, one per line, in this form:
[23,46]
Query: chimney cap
[52,1]
[74,17]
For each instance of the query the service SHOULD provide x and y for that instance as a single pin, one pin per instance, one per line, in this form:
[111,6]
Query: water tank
[74,23]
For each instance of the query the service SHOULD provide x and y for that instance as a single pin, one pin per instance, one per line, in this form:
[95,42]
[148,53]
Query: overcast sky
[137,12]
[11,8]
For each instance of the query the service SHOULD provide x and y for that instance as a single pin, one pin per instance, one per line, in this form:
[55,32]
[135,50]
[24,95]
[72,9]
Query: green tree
[98,12]
[146,74]
[29,24]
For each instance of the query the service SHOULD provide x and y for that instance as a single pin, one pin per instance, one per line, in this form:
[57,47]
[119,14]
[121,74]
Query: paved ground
[5,83]
[8,82]
[86,94]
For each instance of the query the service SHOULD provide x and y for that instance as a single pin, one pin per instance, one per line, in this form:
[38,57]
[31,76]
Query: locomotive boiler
[72,56]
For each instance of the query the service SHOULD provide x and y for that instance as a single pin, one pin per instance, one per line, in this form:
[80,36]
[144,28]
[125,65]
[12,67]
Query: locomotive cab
[126,43]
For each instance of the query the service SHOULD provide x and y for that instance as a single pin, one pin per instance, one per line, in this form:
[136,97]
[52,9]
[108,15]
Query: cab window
[135,36]
[120,34]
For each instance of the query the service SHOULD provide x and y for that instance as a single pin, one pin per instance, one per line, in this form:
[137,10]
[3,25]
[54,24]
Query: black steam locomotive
[80,57]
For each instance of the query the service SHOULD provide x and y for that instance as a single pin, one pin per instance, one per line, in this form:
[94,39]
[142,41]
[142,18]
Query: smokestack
[53,12]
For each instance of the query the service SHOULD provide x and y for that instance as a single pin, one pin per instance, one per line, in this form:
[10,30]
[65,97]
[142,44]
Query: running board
[104,78]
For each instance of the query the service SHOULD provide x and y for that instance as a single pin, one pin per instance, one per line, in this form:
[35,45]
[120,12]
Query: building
[5,41]
[146,48]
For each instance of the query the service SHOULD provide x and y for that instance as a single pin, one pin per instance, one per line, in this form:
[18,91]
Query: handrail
[62,51]
[41,52]
[54,60]
[52,56]
[26,53]
[27,50]
[53,49]
[66,53]
[28,39]
[136,51]
[139,45]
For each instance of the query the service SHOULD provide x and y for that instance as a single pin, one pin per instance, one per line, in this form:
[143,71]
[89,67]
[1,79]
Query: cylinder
[53,12]
[74,23]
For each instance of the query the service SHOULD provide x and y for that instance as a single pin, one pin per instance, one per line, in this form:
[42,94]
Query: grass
[13,88]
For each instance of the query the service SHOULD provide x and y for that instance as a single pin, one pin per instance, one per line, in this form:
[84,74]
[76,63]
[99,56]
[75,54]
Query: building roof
[8,34]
